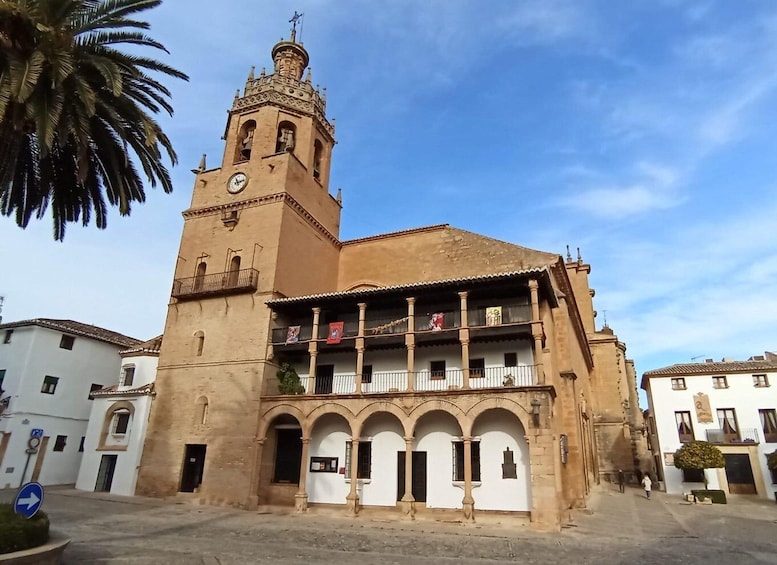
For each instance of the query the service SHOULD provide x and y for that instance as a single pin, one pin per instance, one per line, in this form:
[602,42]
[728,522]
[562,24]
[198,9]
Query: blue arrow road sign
[36,432]
[28,500]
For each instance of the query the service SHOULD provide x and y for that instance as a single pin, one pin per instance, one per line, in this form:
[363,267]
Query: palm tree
[76,111]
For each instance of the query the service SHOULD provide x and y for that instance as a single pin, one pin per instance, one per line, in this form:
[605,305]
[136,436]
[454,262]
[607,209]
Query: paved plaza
[617,528]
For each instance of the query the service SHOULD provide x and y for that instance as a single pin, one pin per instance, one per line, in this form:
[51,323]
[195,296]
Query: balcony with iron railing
[387,329]
[227,282]
[722,436]
[388,382]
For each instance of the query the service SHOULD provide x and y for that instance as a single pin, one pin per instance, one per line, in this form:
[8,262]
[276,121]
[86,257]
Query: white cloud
[619,202]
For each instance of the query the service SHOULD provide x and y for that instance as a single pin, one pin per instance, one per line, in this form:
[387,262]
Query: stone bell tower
[262,225]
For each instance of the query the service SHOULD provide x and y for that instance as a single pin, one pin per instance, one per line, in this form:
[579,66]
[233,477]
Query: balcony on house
[721,436]
[227,282]
[389,382]
[434,325]
[444,336]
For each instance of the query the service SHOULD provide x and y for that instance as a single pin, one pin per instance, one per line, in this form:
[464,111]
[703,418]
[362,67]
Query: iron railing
[722,436]
[226,282]
[388,382]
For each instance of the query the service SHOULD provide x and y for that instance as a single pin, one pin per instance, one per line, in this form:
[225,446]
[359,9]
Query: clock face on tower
[236,183]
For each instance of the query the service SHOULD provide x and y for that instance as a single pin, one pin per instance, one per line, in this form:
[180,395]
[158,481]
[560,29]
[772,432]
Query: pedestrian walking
[647,484]
[621,481]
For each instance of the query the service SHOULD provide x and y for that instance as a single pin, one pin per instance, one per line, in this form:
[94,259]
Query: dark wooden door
[325,376]
[105,474]
[193,467]
[419,475]
[739,473]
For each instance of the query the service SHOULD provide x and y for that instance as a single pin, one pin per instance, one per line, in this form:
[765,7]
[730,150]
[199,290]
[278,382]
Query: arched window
[234,271]
[201,411]
[200,276]
[199,343]
[117,426]
[245,141]
[287,132]
[318,152]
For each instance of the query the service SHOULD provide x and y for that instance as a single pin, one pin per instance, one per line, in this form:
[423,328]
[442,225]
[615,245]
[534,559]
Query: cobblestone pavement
[617,528]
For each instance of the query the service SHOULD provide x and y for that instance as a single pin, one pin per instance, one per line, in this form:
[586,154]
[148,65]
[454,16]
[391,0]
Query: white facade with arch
[113,448]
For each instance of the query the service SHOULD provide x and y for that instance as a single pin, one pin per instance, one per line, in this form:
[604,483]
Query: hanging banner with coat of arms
[335,332]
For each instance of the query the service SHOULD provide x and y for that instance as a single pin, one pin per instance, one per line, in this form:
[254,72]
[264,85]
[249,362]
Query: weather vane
[293,20]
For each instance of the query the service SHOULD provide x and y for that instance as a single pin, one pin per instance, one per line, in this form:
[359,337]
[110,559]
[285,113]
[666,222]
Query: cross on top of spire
[293,21]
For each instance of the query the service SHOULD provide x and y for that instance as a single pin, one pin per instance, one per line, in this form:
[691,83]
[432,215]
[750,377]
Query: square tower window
[128,376]
[49,384]
[67,342]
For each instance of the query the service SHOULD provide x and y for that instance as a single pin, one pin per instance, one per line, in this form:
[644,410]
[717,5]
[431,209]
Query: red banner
[335,332]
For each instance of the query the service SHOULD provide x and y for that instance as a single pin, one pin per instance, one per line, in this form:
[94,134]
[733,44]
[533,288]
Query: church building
[420,370]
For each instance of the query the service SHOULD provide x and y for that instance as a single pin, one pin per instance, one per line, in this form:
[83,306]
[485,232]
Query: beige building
[477,357]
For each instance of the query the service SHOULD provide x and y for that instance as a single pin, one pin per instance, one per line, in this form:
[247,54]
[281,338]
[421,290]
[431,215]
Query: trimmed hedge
[18,533]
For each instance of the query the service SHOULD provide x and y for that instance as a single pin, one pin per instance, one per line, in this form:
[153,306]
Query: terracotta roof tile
[151,346]
[420,284]
[77,328]
[113,390]
[712,368]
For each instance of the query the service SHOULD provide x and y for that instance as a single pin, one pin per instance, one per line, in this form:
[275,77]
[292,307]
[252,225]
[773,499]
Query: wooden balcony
[216,284]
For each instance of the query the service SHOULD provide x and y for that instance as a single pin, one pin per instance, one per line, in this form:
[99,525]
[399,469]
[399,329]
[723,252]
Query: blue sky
[641,132]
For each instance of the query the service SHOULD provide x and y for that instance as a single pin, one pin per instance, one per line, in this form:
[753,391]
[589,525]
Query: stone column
[545,501]
[352,500]
[468,503]
[256,465]
[410,343]
[464,338]
[360,348]
[313,351]
[301,498]
[408,500]
[536,331]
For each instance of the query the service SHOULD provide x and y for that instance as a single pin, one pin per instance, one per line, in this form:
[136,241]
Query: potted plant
[288,380]
[701,455]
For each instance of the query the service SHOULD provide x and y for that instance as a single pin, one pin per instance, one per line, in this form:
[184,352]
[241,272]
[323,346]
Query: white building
[48,369]
[732,404]
[117,423]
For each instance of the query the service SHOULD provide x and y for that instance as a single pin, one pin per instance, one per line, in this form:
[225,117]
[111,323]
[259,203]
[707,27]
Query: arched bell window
[318,152]
[286,139]
[245,141]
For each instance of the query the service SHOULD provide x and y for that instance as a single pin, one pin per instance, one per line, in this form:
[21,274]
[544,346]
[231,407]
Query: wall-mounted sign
[703,410]
[563,443]
[669,459]
[323,464]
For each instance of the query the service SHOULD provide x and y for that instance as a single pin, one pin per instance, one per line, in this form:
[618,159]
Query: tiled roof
[77,328]
[151,346]
[421,284]
[396,233]
[712,368]
[113,390]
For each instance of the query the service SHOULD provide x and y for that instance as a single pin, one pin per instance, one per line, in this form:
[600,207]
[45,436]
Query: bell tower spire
[290,57]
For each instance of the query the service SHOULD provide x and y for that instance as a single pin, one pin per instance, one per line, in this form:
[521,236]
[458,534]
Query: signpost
[28,500]
[32,449]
